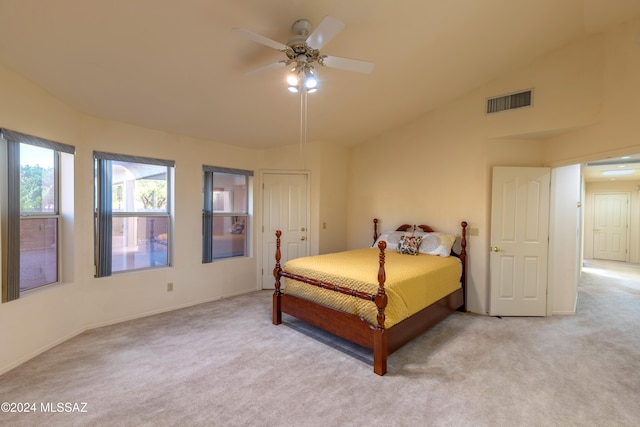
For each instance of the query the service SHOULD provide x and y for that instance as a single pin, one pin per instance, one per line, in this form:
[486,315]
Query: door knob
[303,238]
[495,249]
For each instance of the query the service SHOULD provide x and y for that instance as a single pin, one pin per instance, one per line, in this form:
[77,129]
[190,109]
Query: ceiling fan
[303,50]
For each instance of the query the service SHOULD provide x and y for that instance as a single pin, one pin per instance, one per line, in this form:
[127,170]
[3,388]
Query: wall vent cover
[509,102]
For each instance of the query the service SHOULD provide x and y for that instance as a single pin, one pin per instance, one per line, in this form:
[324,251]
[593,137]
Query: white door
[285,209]
[519,241]
[610,225]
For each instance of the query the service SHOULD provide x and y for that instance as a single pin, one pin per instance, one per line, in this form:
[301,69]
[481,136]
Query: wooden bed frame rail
[380,298]
[381,340]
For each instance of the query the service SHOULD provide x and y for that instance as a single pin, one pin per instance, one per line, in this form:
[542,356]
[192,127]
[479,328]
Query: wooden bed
[383,341]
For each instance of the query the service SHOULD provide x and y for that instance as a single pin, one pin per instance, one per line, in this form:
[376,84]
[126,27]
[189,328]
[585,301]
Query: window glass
[229,193]
[229,236]
[139,242]
[38,252]
[31,205]
[225,214]
[132,214]
[230,215]
[37,179]
[38,217]
[139,187]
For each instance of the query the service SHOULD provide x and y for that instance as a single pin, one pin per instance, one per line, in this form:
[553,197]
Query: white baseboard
[163,310]
[37,352]
[20,361]
[563,313]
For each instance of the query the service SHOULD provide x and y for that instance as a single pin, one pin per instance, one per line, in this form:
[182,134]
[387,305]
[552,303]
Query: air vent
[509,102]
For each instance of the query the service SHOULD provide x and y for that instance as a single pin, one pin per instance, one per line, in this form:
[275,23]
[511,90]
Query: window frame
[209,213]
[104,213]
[12,215]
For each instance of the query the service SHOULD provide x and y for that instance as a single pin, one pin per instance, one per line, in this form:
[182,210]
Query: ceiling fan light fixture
[310,83]
[302,76]
[301,52]
[293,79]
[310,80]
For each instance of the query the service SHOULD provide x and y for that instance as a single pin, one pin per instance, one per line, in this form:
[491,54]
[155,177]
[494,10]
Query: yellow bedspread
[412,283]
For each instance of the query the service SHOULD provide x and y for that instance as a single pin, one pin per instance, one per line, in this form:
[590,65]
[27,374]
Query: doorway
[555,273]
[519,240]
[285,207]
[612,209]
[610,226]
[625,274]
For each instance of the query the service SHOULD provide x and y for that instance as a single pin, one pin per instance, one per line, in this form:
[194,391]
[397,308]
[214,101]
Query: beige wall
[332,216]
[327,167]
[45,317]
[437,169]
[616,130]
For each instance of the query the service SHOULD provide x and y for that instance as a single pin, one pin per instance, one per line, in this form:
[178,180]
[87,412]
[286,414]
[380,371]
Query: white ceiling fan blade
[258,38]
[324,32]
[265,68]
[348,64]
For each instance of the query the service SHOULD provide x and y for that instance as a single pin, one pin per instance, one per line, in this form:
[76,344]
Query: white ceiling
[174,65]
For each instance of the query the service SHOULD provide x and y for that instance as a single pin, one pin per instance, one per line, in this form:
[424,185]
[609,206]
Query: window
[225,213]
[132,213]
[30,212]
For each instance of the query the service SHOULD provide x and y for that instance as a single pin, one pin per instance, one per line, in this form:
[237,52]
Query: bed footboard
[380,298]
[382,341]
[333,321]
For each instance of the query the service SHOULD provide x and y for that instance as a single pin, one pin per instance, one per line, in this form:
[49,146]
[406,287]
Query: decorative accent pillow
[409,245]
[437,244]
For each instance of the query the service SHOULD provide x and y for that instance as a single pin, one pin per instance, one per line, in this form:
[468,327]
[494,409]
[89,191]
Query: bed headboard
[425,228]
[403,227]
[462,255]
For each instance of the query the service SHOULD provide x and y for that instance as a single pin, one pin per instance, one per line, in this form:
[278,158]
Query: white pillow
[437,244]
[393,238]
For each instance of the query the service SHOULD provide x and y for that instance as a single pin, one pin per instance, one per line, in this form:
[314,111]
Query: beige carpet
[224,364]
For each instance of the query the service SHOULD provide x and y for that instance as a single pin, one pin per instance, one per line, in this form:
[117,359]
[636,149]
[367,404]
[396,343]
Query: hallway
[625,273]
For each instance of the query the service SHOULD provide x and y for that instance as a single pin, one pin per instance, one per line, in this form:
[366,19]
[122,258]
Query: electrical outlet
[170,287]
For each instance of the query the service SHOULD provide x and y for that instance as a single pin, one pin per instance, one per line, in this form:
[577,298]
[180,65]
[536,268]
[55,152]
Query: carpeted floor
[223,363]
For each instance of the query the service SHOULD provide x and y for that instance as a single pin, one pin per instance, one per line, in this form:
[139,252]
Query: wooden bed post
[277,309]
[380,352]
[375,230]
[463,259]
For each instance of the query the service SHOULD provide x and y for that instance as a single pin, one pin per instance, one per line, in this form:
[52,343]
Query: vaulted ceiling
[176,66]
